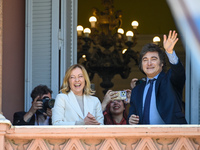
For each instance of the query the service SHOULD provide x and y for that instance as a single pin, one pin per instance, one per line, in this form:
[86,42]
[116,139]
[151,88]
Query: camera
[140,81]
[47,103]
[121,95]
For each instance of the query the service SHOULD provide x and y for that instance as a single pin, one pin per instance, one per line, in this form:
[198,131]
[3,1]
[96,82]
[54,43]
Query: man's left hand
[169,43]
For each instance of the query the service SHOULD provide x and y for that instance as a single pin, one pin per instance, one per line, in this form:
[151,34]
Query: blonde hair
[65,85]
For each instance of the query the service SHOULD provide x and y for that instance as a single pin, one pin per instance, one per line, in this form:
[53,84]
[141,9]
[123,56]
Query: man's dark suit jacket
[168,89]
[18,119]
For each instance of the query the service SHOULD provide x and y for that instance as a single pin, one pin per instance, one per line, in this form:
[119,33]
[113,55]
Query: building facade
[38,44]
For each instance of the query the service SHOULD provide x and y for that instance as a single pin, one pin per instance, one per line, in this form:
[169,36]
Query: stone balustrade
[124,137]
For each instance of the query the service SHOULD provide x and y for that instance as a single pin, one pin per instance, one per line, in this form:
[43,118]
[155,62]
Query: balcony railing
[124,137]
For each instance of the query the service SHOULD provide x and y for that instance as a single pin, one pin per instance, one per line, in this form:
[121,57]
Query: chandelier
[104,49]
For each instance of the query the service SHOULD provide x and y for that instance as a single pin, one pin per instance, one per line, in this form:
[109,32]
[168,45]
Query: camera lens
[51,103]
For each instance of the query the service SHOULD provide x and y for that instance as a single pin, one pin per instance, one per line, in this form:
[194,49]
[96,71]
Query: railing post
[4,129]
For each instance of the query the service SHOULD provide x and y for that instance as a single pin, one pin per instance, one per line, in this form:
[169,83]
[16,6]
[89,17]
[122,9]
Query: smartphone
[121,95]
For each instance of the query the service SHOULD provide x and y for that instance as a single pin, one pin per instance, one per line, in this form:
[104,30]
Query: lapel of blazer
[139,98]
[158,81]
[74,104]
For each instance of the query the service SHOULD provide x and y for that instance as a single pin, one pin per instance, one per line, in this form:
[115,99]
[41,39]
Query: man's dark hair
[40,90]
[150,47]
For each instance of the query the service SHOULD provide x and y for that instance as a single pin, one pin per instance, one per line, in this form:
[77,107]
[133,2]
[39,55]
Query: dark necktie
[145,117]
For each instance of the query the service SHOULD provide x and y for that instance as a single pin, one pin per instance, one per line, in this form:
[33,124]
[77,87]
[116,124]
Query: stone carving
[99,138]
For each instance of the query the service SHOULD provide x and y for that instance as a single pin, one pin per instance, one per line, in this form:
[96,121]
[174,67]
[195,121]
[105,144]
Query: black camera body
[47,103]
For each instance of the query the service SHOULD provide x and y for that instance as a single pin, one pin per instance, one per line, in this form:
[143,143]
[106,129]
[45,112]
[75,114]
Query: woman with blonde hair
[75,105]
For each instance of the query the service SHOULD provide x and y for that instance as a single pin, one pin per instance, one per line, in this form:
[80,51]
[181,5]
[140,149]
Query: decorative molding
[126,137]
[146,143]
[184,143]
[110,143]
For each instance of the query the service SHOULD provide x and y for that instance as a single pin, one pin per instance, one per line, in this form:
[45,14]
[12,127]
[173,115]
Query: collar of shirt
[156,77]
[41,120]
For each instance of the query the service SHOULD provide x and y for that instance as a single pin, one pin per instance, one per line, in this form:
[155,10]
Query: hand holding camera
[113,95]
[36,105]
[110,95]
[42,105]
[48,112]
[47,104]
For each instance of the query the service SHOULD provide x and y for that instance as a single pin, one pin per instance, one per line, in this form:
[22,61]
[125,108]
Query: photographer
[36,114]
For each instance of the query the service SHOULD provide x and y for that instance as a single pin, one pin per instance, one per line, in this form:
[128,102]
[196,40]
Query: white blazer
[66,110]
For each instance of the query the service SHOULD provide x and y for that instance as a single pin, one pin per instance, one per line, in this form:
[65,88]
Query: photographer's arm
[35,106]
